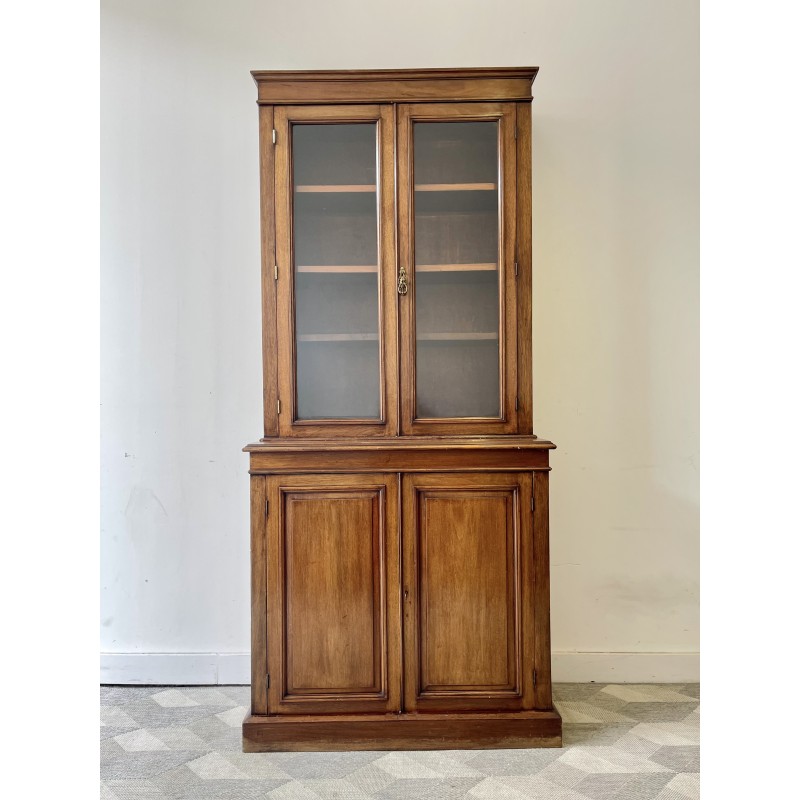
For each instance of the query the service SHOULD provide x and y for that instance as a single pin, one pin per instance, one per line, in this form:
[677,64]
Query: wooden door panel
[467,591]
[332,556]
[467,550]
[333,615]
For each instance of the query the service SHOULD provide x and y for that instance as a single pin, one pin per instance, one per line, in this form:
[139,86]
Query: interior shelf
[338,337]
[333,269]
[336,187]
[324,269]
[455,268]
[371,187]
[457,337]
[455,187]
[421,337]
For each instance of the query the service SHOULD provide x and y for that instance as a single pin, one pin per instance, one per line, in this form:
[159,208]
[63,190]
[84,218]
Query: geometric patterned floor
[621,741]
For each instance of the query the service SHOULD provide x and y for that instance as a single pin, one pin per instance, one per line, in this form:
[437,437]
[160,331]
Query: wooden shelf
[456,337]
[455,187]
[336,269]
[336,187]
[338,337]
[371,187]
[455,268]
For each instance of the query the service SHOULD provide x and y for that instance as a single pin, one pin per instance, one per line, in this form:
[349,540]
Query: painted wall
[615,309]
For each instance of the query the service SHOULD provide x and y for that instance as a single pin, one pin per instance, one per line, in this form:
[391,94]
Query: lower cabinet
[399,596]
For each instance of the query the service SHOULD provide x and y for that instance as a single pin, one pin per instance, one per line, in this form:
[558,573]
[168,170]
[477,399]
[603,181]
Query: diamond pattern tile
[621,742]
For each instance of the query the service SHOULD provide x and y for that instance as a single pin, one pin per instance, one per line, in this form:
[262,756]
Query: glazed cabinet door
[458,267]
[468,595]
[333,617]
[336,309]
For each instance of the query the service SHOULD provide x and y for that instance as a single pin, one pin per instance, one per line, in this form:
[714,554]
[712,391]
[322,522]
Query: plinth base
[401,732]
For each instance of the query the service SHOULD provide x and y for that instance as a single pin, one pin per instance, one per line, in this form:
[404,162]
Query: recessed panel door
[333,616]
[467,587]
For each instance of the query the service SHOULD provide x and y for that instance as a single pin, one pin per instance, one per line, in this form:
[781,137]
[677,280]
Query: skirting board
[187,669]
[175,669]
[626,667]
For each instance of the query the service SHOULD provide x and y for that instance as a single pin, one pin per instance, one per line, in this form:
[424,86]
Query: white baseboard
[187,669]
[626,667]
[175,669]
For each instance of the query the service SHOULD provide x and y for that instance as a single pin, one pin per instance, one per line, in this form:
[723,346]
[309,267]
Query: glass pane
[336,271]
[457,298]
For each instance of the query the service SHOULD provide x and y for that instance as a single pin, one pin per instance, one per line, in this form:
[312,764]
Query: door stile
[269,333]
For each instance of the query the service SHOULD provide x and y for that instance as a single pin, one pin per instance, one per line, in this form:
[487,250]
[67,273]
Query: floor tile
[621,742]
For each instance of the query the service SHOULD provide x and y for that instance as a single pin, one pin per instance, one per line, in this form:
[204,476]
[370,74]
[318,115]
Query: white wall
[615,309]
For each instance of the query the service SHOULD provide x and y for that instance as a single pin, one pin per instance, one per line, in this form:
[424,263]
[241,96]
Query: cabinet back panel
[344,234]
[455,152]
[338,380]
[455,236]
[334,154]
[458,302]
[344,303]
[457,379]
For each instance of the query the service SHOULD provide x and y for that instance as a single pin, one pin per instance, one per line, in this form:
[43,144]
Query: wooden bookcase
[399,498]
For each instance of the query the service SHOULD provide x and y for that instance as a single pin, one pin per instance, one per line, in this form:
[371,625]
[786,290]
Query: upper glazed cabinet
[400,287]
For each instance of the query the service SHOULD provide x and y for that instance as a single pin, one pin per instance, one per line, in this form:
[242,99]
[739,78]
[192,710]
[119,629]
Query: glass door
[456,208]
[334,250]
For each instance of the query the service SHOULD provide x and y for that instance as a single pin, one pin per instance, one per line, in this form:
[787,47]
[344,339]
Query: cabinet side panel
[269,339]
[543,696]
[258,594]
[524,280]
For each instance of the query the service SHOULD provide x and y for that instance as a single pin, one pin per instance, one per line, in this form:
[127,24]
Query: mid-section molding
[400,454]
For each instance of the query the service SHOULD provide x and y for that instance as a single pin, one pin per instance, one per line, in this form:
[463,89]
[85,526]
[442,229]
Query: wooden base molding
[262,734]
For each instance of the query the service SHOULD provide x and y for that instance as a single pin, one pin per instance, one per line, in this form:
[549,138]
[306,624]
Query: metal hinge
[268,680]
[274,136]
[516,269]
[279,406]
[276,272]
[516,404]
[266,508]
[533,504]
